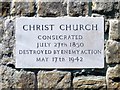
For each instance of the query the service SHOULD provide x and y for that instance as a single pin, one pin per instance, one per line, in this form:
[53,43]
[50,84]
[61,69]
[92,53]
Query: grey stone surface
[51,9]
[4,8]
[0,51]
[112,52]
[113,78]
[22,7]
[89,83]
[103,6]
[1,29]
[54,79]
[11,78]
[8,42]
[117,9]
[78,8]
[108,9]
[114,32]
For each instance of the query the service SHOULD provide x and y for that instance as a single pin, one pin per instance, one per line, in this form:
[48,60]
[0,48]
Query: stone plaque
[64,42]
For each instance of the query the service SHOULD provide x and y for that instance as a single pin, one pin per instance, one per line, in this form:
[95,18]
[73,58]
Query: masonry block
[112,52]
[114,31]
[54,80]
[89,83]
[22,8]
[11,78]
[8,42]
[51,9]
[113,78]
[4,8]
[78,8]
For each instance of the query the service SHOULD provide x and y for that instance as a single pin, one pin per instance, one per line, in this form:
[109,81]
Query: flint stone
[11,78]
[89,83]
[112,52]
[54,79]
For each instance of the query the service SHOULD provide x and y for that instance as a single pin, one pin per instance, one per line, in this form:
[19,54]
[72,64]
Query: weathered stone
[51,9]
[113,78]
[117,9]
[12,78]
[8,42]
[54,79]
[1,28]
[4,8]
[23,7]
[1,35]
[7,61]
[103,6]
[78,8]
[109,9]
[89,83]
[117,5]
[112,52]
[114,32]
[0,51]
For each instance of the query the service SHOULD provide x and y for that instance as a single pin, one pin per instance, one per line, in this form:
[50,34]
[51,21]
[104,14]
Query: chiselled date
[75,59]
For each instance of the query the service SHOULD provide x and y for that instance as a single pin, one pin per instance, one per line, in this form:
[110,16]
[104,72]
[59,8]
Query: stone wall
[107,78]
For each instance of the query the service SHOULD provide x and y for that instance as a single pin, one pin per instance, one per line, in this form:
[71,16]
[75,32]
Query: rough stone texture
[113,78]
[54,79]
[8,42]
[114,32]
[83,79]
[51,9]
[22,7]
[1,35]
[109,9]
[103,6]
[89,83]
[12,78]
[78,8]
[4,8]
[117,9]
[113,52]
[1,28]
